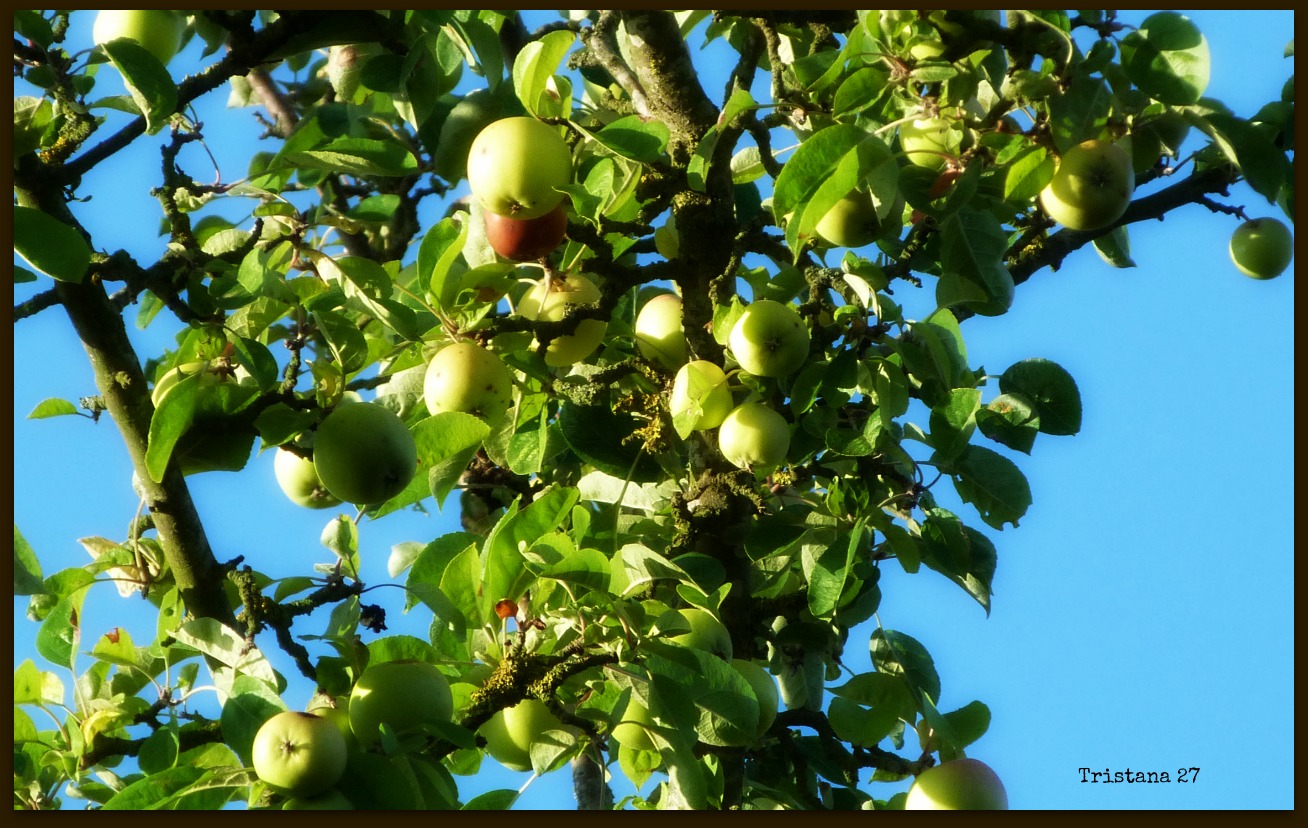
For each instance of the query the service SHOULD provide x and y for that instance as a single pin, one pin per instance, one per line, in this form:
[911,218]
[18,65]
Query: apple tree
[662,513]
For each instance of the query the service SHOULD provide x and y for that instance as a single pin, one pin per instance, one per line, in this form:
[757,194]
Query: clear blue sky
[1143,611]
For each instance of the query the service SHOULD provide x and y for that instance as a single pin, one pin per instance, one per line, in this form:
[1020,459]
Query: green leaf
[858,725]
[147,80]
[28,579]
[347,343]
[1167,57]
[437,254]
[968,723]
[1115,248]
[953,423]
[993,484]
[154,790]
[34,686]
[899,654]
[631,137]
[1262,163]
[1051,389]
[972,263]
[52,407]
[814,161]
[597,434]
[214,639]
[60,633]
[49,245]
[534,66]
[505,576]
[1010,420]
[964,556]
[358,156]
[501,799]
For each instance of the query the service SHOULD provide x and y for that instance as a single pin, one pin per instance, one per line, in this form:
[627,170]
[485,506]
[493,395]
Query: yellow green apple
[1091,187]
[364,453]
[299,754]
[769,339]
[549,300]
[466,377]
[1262,248]
[299,481]
[158,31]
[515,166]
[404,694]
[754,437]
[700,397]
[658,332]
[960,785]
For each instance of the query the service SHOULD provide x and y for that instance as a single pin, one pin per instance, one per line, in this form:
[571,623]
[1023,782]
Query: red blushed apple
[525,240]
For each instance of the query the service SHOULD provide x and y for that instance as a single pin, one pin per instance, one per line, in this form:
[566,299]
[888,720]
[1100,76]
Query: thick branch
[122,384]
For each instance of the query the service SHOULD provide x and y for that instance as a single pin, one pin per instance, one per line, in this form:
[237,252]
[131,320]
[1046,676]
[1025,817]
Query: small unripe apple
[707,633]
[364,453]
[1091,188]
[549,301]
[525,240]
[511,732]
[753,436]
[403,694]
[930,142]
[769,339]
[299,481]
[700,386]
[630,731]
[960,785]
[298,753]
[516,164]
[1262,248]
[158,31]
[466,377]
[659,336]
[853,221]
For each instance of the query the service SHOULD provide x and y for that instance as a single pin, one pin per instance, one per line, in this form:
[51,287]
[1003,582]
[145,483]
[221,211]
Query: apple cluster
[515,169]
[305,755]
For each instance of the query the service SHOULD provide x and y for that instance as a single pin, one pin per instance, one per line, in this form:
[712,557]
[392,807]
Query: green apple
[549,300]
[700,395]
[332,800]
[1262,248]
[755,437]
[853,221]
[1091,187]
[466,377]
[158,31]
[299,754]
[659,336]
[960,785]
[525,240]
[300,482]
[404,694]
[335,709]
[769,339]
[515,166]
[630,730]
[511,732]
[707,633]
[930,142]
[364,453]
[765,690]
